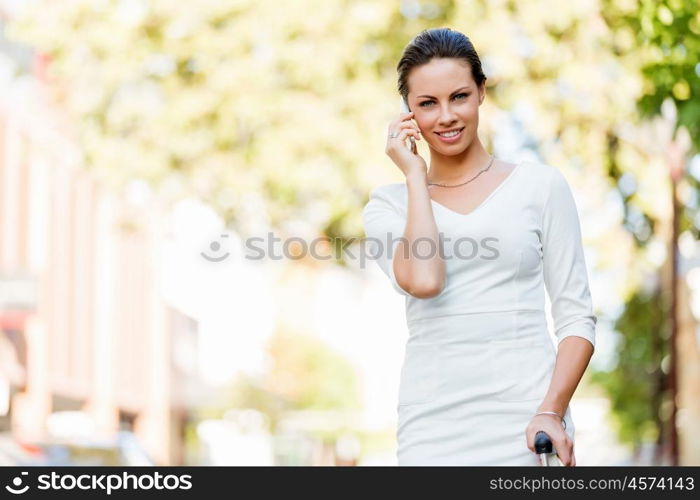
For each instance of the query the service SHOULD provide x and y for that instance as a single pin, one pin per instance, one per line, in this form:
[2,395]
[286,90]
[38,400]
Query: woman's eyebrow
[453,93]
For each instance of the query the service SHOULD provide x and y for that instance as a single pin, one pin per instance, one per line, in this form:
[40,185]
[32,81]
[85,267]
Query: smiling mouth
[452,134]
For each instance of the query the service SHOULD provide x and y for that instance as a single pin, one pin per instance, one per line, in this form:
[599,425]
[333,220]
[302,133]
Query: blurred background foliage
[275,113]
[303,374]
[660,40]
[636,385]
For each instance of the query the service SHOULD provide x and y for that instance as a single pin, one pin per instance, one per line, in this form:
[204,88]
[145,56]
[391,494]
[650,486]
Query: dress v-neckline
[497,188]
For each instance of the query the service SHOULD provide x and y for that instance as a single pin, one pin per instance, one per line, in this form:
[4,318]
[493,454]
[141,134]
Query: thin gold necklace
[462,184]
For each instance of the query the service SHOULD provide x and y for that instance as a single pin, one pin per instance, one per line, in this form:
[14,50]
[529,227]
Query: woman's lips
[451,139]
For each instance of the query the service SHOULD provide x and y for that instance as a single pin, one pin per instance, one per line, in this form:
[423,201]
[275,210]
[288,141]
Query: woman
[470,243]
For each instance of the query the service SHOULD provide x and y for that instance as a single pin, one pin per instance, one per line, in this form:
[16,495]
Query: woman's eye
[423,104]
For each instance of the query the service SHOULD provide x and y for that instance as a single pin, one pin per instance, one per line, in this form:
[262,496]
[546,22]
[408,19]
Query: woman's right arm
[418,264]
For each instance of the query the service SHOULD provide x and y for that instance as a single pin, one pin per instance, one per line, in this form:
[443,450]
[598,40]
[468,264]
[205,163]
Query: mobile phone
[404,109]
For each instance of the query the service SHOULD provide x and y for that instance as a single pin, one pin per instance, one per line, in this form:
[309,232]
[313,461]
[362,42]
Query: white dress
[479,358]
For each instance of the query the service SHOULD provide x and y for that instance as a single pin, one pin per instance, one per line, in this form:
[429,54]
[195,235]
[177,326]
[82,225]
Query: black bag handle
[542,443]
[544,448]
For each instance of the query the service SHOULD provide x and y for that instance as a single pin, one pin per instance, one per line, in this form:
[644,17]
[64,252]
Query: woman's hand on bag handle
[551,424]
[399,151]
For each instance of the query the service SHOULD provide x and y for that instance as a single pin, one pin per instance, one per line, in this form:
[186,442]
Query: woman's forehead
[440,76]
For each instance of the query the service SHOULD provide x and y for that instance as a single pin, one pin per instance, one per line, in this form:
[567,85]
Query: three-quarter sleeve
[384,227]
[564,265]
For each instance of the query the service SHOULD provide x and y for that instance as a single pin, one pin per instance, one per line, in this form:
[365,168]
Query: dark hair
[437,43]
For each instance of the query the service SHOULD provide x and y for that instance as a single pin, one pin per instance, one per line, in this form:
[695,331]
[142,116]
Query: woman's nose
[447,115]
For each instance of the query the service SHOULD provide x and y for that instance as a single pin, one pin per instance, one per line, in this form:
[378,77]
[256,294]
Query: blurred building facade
[83,326]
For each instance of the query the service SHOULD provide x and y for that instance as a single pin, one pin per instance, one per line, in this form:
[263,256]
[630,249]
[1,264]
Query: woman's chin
[453,149]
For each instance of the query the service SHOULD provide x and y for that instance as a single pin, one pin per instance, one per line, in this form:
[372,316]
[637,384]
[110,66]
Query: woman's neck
[452,169]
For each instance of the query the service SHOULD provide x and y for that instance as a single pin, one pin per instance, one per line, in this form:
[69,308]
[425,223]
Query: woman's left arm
[572,359]
[566,279]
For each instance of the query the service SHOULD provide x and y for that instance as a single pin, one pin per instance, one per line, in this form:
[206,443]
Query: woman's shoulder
[542,177]
[385,202]
[393,194]
[394,189]
[539,171]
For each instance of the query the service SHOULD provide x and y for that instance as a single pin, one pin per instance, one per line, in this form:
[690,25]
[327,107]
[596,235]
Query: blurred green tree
[309,375]
[661,40]
[636,382]
[303,374]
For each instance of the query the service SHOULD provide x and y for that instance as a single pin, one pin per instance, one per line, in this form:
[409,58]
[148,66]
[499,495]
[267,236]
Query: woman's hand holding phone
[408,161]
